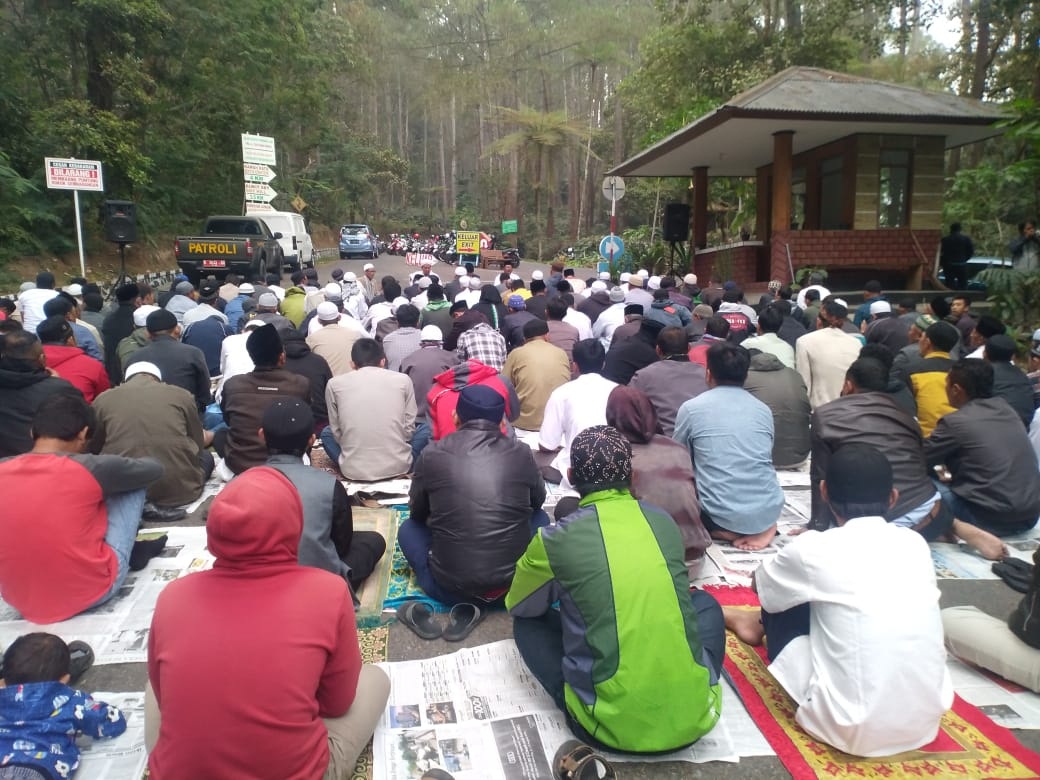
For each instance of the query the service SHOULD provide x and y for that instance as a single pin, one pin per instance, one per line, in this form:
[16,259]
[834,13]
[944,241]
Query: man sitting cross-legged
[70,519]
[329,540]
[306,705]
[729,434]
[632,657]
[476,497]
[861,654]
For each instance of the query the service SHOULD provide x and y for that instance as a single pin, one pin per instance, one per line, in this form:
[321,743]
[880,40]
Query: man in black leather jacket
[475,501]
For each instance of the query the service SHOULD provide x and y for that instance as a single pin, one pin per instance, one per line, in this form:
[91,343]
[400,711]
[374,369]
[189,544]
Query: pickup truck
[230,244]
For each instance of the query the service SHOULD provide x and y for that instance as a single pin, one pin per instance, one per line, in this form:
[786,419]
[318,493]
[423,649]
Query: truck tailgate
[212,251]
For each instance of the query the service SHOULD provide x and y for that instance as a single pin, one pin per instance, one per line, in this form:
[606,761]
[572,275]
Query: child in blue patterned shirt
[41,716]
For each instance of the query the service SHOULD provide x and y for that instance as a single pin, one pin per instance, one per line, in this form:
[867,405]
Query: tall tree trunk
[444,172]
[454,199]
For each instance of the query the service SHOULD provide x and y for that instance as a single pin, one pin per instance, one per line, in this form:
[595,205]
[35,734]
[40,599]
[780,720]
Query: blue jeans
[962,511]
[540,642]
[328,441]
[415,540]
[124,519]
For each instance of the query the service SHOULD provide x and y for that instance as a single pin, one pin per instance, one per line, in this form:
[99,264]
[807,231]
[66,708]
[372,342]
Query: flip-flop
[81,658]
[419,617]
[577,761]
[462,619]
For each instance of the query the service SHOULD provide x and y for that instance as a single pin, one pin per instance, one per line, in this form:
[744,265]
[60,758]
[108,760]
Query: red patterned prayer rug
[969,744]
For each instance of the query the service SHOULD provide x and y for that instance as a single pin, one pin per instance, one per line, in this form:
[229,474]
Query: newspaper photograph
[479,713]
[117,630]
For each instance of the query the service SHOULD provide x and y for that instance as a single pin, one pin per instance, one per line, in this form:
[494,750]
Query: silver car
[357,240]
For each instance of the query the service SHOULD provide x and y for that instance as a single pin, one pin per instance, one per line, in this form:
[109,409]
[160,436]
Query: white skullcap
[460,271]
[654,283]
[644,273]
[27,286]
[598,285]
[254,323]
[841,301]
[431,333]
[246,288]
[690,279]
[75,290]
[350,276]
[880,307]
[475,283]
[398,303]
[143,367]
[425,283]
[537,276]
[625,277]
[333,290]
[327,312]
[141,315]
[366,266]
[514,277]
[604,275]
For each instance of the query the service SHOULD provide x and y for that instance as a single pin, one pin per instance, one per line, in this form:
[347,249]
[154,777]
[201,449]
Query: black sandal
[577,761]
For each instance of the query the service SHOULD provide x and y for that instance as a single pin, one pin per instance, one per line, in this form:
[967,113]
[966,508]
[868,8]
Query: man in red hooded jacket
[254,666]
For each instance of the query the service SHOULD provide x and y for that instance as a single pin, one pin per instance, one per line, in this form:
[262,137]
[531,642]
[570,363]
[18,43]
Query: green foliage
[1014,296]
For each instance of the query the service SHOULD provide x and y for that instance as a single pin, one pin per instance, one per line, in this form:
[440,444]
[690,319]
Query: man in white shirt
[860,654]
[824,355]
[611,319]
[575,406]
[576,318]
[815,280]
[31,301]
[234,357]
[769,322]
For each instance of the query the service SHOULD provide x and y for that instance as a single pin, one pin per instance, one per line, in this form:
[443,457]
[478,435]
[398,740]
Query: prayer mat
[374,589]
[969,744]
[403,586]
[375,648]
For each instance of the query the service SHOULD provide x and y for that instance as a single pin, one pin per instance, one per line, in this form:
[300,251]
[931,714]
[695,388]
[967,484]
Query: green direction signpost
[508,226]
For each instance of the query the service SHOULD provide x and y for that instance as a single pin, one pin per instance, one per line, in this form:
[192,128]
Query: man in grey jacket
[673,380]
[328,540]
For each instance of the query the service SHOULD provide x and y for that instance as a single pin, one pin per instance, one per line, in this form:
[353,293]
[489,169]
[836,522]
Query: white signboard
[257,173]
[258,149]
[259,208]
[613,188]
[259,193]
[73,174]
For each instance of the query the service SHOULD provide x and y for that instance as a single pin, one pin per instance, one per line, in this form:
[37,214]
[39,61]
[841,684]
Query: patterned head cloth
[600,457]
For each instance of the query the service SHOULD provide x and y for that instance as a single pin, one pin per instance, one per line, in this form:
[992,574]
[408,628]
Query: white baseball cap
[142,366]
[367,266]
[141,315]
[431,333]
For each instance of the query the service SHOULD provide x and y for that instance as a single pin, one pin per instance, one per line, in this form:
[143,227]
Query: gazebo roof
[820,106]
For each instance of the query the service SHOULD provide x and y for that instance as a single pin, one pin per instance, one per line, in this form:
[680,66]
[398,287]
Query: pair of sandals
[462,619]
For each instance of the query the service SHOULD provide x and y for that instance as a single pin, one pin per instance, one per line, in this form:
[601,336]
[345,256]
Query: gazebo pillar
[700,207]
[782,153]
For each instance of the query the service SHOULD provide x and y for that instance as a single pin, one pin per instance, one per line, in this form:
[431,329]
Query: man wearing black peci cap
[861,655]
[329,540]
[117,326]
[246,397]
[181,364]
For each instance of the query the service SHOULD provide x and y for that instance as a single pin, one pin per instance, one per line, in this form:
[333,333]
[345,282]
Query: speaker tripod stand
[123,277]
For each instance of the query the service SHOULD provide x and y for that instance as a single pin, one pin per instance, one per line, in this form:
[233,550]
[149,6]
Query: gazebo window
[894,194]
[831,194]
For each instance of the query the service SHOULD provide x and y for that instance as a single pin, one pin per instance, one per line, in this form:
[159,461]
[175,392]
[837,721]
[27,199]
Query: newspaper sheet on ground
[118,629]
[122,758]
[959,561]
[1004,702]
[479,713]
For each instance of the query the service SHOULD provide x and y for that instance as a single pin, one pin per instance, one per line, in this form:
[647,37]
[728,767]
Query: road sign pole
[79,234]
[613,221]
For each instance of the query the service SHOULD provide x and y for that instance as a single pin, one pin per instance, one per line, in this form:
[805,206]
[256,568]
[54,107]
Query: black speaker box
[120,221]
[676,222]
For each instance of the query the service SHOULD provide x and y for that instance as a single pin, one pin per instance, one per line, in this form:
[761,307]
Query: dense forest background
[416,114]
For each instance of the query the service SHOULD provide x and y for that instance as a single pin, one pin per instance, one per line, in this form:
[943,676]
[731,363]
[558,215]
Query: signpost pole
[613,219]
[79,234]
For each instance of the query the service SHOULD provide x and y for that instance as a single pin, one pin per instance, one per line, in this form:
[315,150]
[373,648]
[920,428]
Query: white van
[296,241]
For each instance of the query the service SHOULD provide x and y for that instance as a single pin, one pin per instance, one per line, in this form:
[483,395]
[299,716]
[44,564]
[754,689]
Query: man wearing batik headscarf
[630,658]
